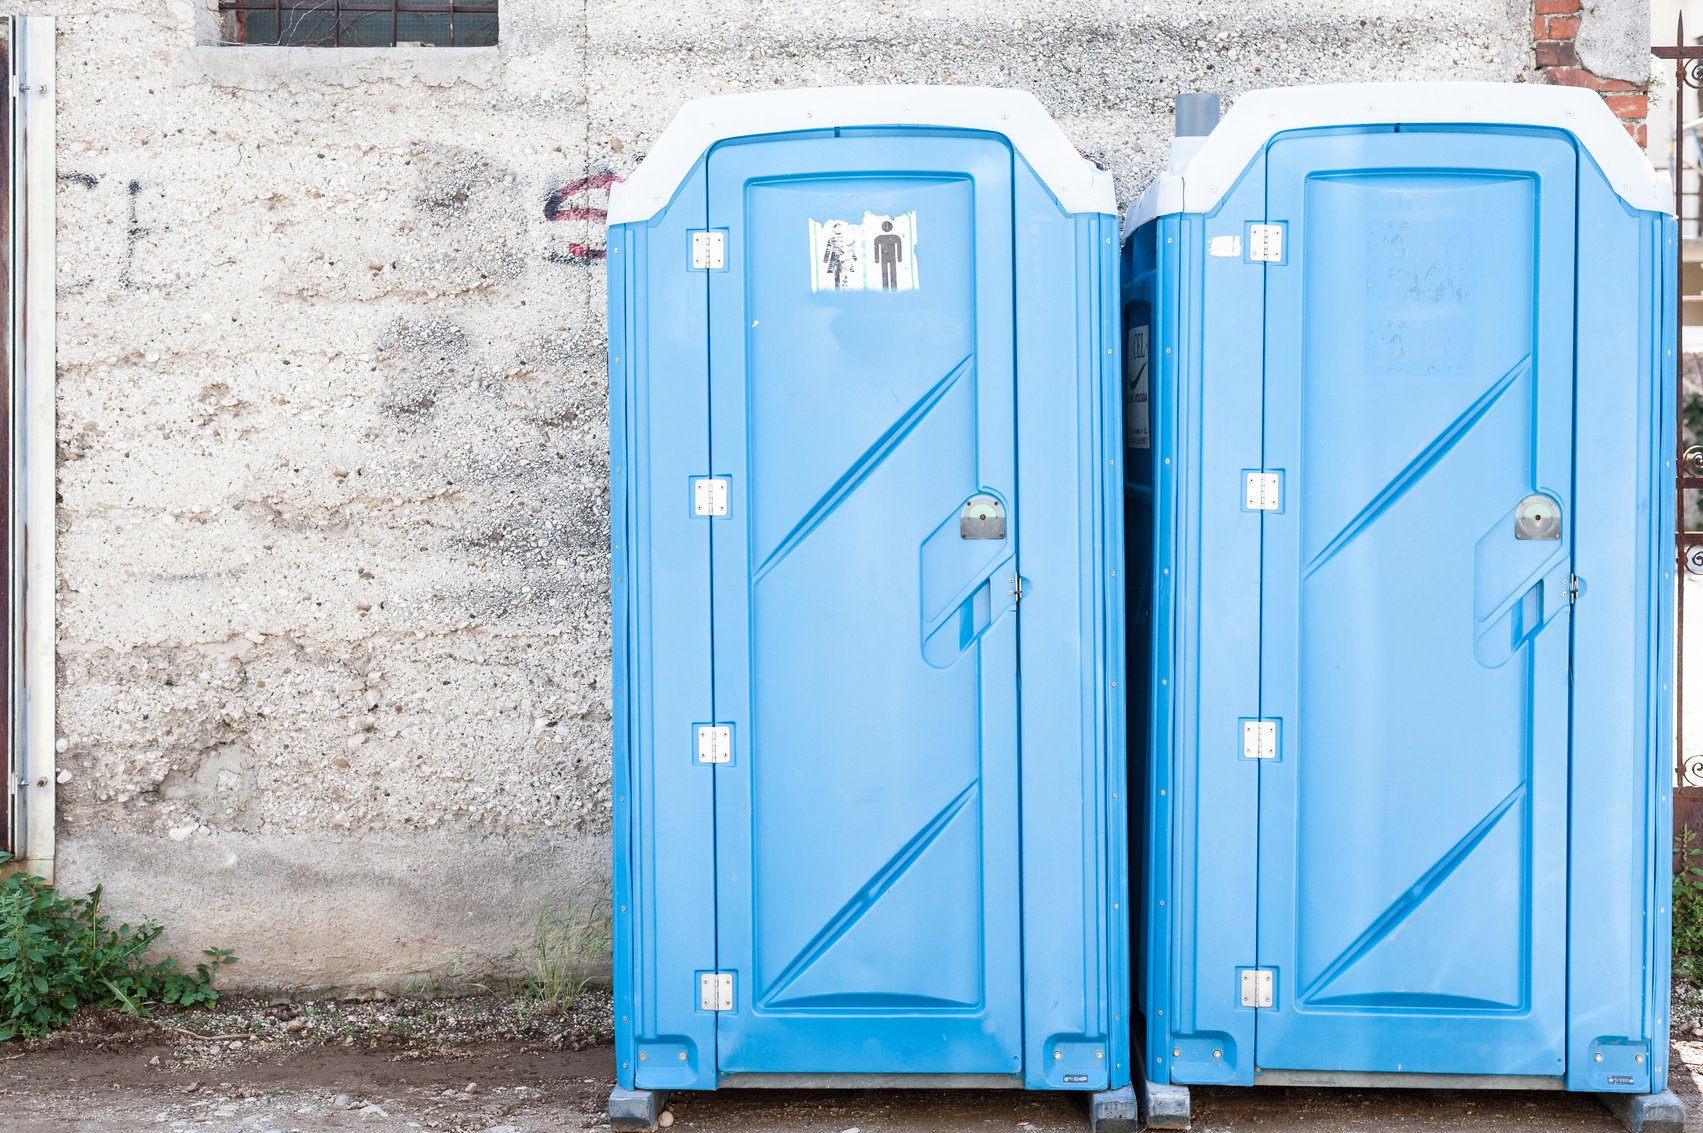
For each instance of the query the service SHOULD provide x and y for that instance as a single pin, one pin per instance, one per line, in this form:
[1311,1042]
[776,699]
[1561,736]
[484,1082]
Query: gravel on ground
[506,1064]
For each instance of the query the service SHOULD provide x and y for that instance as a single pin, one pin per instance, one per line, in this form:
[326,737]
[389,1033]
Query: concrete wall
[333,580]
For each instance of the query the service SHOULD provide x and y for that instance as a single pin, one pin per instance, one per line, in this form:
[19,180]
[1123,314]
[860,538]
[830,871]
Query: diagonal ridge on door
[1417,467]
[1403,907]
[860,469]
[872,891]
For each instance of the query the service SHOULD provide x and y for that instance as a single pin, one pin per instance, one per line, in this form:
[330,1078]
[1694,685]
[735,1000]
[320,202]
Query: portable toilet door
[863,405]
[1408,811]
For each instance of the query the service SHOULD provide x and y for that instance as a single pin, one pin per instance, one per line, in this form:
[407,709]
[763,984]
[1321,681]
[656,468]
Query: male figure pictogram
[889,253]
[840,255]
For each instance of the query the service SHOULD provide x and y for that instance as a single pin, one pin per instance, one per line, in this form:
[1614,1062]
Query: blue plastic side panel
[1620,878]
[620,566]
[1075,951]
[1203,799]
[664,915]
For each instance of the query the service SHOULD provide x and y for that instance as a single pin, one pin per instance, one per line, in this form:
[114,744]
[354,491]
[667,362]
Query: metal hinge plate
[1264,491]
[709,250]
[1265,243]
[1259,739]
[715,991]
[715,743]
[1572,589]
[709,496]
[1256,987]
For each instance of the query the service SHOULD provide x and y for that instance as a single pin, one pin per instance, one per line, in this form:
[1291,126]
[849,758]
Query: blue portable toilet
[864,402]
[1403,462]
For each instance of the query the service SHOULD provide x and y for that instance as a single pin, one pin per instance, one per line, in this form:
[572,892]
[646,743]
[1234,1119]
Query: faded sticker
[1137,431]
[878,253]
[1224,246]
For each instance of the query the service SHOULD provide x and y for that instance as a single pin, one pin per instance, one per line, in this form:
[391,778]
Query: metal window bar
[360,23]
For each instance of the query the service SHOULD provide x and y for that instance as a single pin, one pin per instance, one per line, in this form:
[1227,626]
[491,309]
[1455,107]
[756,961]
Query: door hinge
[1264,491]
[1259,739]
[1572,589]
[1016,581]
[709,250]
[1256,987]
[709,496]
[1265,243]
[715,743]
[715,991]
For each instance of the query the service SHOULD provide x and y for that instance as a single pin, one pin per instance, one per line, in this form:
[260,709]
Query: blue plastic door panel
[1415,602]
[865,652]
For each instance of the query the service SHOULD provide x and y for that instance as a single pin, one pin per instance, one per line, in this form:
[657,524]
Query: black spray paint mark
[133,237]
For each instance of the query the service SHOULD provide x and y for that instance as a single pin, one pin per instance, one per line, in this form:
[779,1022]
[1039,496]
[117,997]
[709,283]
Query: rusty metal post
[1688,545]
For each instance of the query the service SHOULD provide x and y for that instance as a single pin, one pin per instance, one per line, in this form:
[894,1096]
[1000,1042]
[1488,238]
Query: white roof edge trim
[1077,183]
[1260,115]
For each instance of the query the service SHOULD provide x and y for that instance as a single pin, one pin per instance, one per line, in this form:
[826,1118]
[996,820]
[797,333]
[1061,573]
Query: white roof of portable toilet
[1203,169]
[1077,183]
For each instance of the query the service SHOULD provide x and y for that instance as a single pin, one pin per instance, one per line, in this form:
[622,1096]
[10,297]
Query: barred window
[360,23]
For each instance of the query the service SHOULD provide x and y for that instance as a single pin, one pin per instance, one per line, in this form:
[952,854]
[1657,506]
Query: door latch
[1538,517]
[981,517]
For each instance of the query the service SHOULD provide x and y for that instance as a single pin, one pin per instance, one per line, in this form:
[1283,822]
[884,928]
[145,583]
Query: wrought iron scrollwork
[1691,771]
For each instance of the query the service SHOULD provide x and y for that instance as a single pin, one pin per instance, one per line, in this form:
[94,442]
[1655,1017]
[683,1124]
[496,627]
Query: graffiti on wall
[581,200]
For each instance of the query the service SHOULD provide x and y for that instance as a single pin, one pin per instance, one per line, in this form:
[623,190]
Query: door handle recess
[964,564]
[1521,578]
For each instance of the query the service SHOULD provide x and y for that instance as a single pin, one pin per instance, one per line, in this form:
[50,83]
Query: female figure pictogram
[840,255]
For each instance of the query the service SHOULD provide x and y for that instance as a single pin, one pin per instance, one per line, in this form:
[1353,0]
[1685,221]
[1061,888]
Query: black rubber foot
[1165,1107]
[1647,1113]
[635,1111]
[1114,1111]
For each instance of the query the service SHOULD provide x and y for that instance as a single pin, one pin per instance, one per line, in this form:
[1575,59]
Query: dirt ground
[496,1066]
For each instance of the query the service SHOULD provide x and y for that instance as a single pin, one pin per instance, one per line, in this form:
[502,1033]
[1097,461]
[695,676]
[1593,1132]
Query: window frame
[229,15]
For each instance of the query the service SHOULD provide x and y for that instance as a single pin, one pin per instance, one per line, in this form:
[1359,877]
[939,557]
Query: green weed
[59,954]
[570,946]
[1688,910]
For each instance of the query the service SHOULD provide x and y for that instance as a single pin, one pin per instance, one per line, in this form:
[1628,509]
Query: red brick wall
[1555,24]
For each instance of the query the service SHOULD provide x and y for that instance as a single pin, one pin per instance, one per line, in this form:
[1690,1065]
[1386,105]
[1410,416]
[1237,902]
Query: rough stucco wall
[332,541]
[1614,39]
